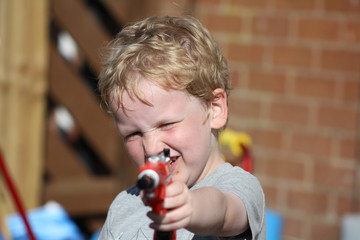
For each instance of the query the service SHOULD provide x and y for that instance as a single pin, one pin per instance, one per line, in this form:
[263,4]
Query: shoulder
[130,195]
[228,175]
[234,179]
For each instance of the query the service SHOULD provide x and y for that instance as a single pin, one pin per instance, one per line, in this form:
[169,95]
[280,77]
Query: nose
[152,144]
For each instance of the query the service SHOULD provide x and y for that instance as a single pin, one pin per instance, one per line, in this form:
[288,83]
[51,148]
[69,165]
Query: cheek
[136,153]
[193,137]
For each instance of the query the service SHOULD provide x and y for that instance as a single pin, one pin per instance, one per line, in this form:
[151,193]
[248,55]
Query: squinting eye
[133,136]
[167,126]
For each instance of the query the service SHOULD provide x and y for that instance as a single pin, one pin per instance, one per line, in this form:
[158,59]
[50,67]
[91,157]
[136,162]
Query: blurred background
[295,68]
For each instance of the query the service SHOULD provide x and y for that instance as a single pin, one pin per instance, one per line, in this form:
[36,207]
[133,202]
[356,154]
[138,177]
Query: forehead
[150,99]
[152,95]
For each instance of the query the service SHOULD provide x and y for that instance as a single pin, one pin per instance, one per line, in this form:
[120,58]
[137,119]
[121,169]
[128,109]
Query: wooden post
[23,86]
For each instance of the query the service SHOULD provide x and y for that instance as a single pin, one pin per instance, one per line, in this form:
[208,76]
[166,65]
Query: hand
[178,202]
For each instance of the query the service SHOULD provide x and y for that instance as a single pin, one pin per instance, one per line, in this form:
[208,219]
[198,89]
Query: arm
[206,211]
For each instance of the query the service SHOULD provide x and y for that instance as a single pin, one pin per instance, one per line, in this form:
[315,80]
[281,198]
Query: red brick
[244,108]
[313,202]
[338,117]
[271,195]
[267,81]
[272,26]
[292,56]
[342,6]
[328,231]
[259,168]
[352,89]
[352,31]
[356,204]
[318,29]
[342,60]
[248,53]
[293,227]
[312,144]
[334,177]
[348,148]
[323,48]
[224,23]
[344,204]
[206,2]
[250,3]
[266,138]
[286,169]
[235,78]
[316,87]
[295,5]
[290,113]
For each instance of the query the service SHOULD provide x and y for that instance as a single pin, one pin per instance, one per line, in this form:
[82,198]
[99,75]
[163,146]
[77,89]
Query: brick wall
[295,67]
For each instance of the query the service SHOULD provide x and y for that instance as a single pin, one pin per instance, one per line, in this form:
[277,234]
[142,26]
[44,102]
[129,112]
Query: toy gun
[152,179]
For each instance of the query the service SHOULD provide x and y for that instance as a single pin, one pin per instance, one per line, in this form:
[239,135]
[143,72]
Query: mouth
[173,160]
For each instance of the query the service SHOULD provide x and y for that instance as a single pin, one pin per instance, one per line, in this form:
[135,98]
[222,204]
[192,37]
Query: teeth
[172,160]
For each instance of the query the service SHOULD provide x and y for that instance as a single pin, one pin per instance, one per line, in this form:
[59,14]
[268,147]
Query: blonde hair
[173,52]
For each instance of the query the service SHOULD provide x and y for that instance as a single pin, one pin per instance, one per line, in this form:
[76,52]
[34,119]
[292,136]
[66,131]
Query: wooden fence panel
[61,161]
[81,24]
[68,88]
[86,166]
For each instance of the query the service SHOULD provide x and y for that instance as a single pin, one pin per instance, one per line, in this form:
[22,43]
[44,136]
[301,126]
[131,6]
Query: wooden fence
[23,85]
[86,165]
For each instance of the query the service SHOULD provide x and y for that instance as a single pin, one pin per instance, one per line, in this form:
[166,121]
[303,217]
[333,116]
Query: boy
[166,83]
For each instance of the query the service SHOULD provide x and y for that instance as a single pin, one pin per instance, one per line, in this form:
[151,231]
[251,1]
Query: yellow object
[233,140]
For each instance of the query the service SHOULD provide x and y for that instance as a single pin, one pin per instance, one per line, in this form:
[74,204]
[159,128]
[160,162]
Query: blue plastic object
[350,226]
[274,225]
[95,236]
[48,222]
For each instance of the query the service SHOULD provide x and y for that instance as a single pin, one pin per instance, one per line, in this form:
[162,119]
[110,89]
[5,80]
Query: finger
[175,188]
[172,221]
[178,200]
[170,227]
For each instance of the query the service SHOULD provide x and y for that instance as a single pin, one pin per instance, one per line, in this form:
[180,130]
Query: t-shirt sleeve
[248,188]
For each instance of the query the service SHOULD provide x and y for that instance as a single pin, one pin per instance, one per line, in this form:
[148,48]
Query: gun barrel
[145,182]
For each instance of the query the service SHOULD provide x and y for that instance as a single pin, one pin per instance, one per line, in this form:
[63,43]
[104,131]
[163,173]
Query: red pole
[15,196]
[247,161]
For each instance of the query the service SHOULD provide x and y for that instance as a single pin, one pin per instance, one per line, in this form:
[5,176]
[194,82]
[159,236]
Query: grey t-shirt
[127,218]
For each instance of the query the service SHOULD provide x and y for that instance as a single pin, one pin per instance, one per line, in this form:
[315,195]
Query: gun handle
[159,235]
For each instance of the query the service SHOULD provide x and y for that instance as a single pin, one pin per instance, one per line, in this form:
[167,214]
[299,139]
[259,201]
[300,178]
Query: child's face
[176,121]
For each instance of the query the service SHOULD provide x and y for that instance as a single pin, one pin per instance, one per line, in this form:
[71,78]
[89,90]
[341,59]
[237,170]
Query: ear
[219,109]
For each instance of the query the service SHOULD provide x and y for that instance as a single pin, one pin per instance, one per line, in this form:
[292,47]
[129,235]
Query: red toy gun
[152,179]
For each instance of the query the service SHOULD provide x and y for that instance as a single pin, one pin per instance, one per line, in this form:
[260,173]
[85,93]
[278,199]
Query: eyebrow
[158,124]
